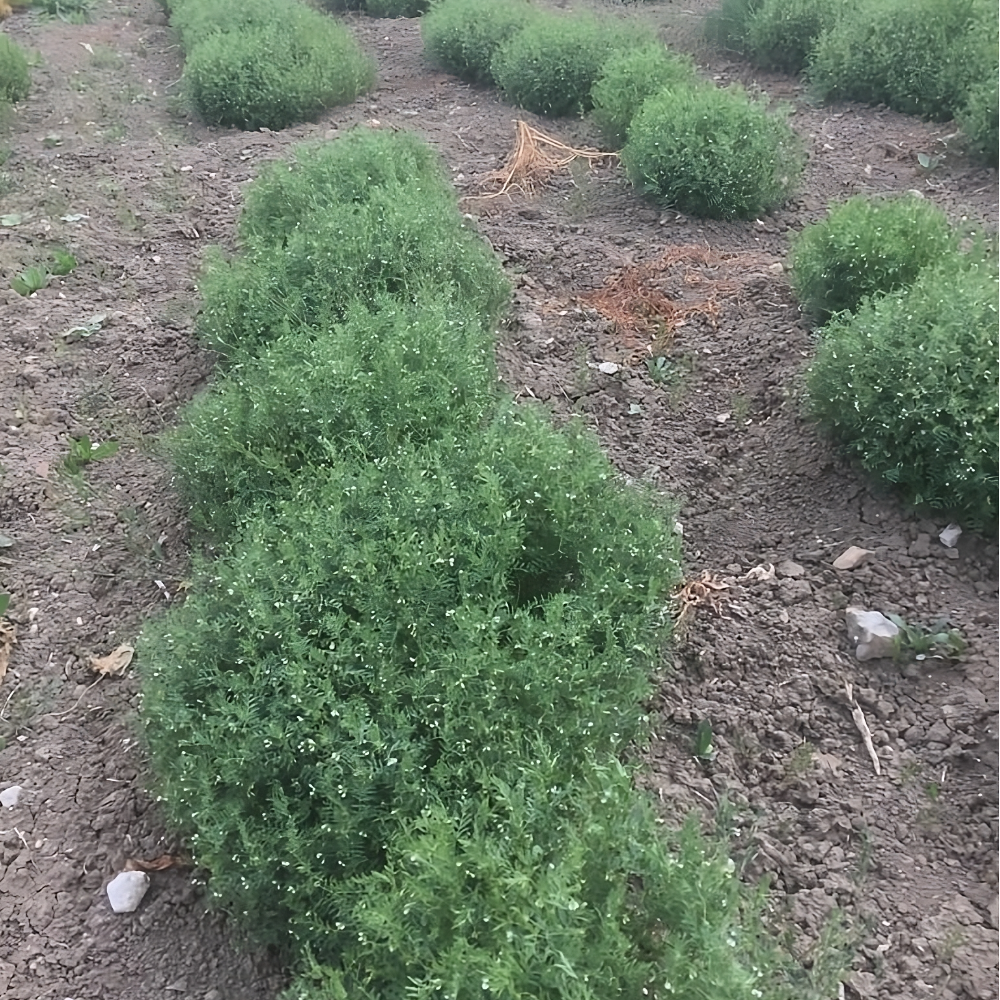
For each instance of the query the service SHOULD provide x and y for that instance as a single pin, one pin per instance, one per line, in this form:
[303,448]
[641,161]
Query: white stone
[872,633]
[950,536]
[852,558]
[125,891]
[10,797]
[790,569]
[607,367]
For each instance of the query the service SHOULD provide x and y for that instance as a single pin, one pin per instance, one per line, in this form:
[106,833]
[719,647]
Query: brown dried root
[708,591]
[641,311]
[535,158]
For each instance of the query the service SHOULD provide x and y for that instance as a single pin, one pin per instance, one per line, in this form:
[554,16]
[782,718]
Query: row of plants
[935,58]
[394,714]
[380,8]
[905,376]
[266,63]
[687,143]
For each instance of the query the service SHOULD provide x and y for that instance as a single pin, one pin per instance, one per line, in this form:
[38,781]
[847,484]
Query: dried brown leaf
[8,640]
[114,663]
[159,864]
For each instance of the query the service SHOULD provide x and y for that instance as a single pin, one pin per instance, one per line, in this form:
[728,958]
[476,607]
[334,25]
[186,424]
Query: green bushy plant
[276,73]
[287,194]
[711,152]
[781,33]
[462,36]
[406,241]
[866,246]
[908,387]
[195,20]
[399,378]
[551,64]
[917,56]
[384,638]
[729,26]
[627,79]
[979,119]
[15,80]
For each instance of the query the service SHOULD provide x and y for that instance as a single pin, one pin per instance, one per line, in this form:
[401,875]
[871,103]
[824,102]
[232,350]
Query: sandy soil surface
[104,162]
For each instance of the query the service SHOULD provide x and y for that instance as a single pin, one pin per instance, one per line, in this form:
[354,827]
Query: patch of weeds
[865,856]
[938,642]
[129,219]
[63,262]
[105,57]
[800,761]
[70,11]
[703,744]
[141,539]
[949,944]
[82,451]
[116,132]
[15,80]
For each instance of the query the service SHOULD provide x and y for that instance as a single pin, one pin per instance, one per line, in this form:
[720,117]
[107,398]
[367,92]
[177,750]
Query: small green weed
[729,26]
[63,262]
[30,280]
[82,452]
[703,745]
[712,153]
[916,643]
[4,603]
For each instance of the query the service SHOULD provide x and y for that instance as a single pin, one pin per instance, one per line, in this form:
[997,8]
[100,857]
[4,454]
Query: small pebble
[10,797]
[125,891]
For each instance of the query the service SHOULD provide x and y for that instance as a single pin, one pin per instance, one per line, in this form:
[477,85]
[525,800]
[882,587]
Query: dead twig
[707,591]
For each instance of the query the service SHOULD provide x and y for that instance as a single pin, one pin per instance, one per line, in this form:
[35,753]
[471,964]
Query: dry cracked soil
[103,161]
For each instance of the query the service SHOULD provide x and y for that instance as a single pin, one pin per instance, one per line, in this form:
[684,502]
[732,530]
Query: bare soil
[104,162]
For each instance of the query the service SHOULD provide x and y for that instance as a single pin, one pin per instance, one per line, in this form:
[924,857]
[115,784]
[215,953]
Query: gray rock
[125,891]
[872,634]
[10,797]
[852,558]
[921,548]
[790,569]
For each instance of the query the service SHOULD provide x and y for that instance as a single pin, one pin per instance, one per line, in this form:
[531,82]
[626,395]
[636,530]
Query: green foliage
[781,33]
[551,64]
[290,193]
[917,56]
[979,119]
[399,378]
[71,11]
[627,79]
[729,26]
[866,246]
[406,241]
[462,36]
[387,639]
[30,280]
[711,152]
[268,64]
[915,643]
[908,386]
[15,81]
[63,262]
[82,452]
